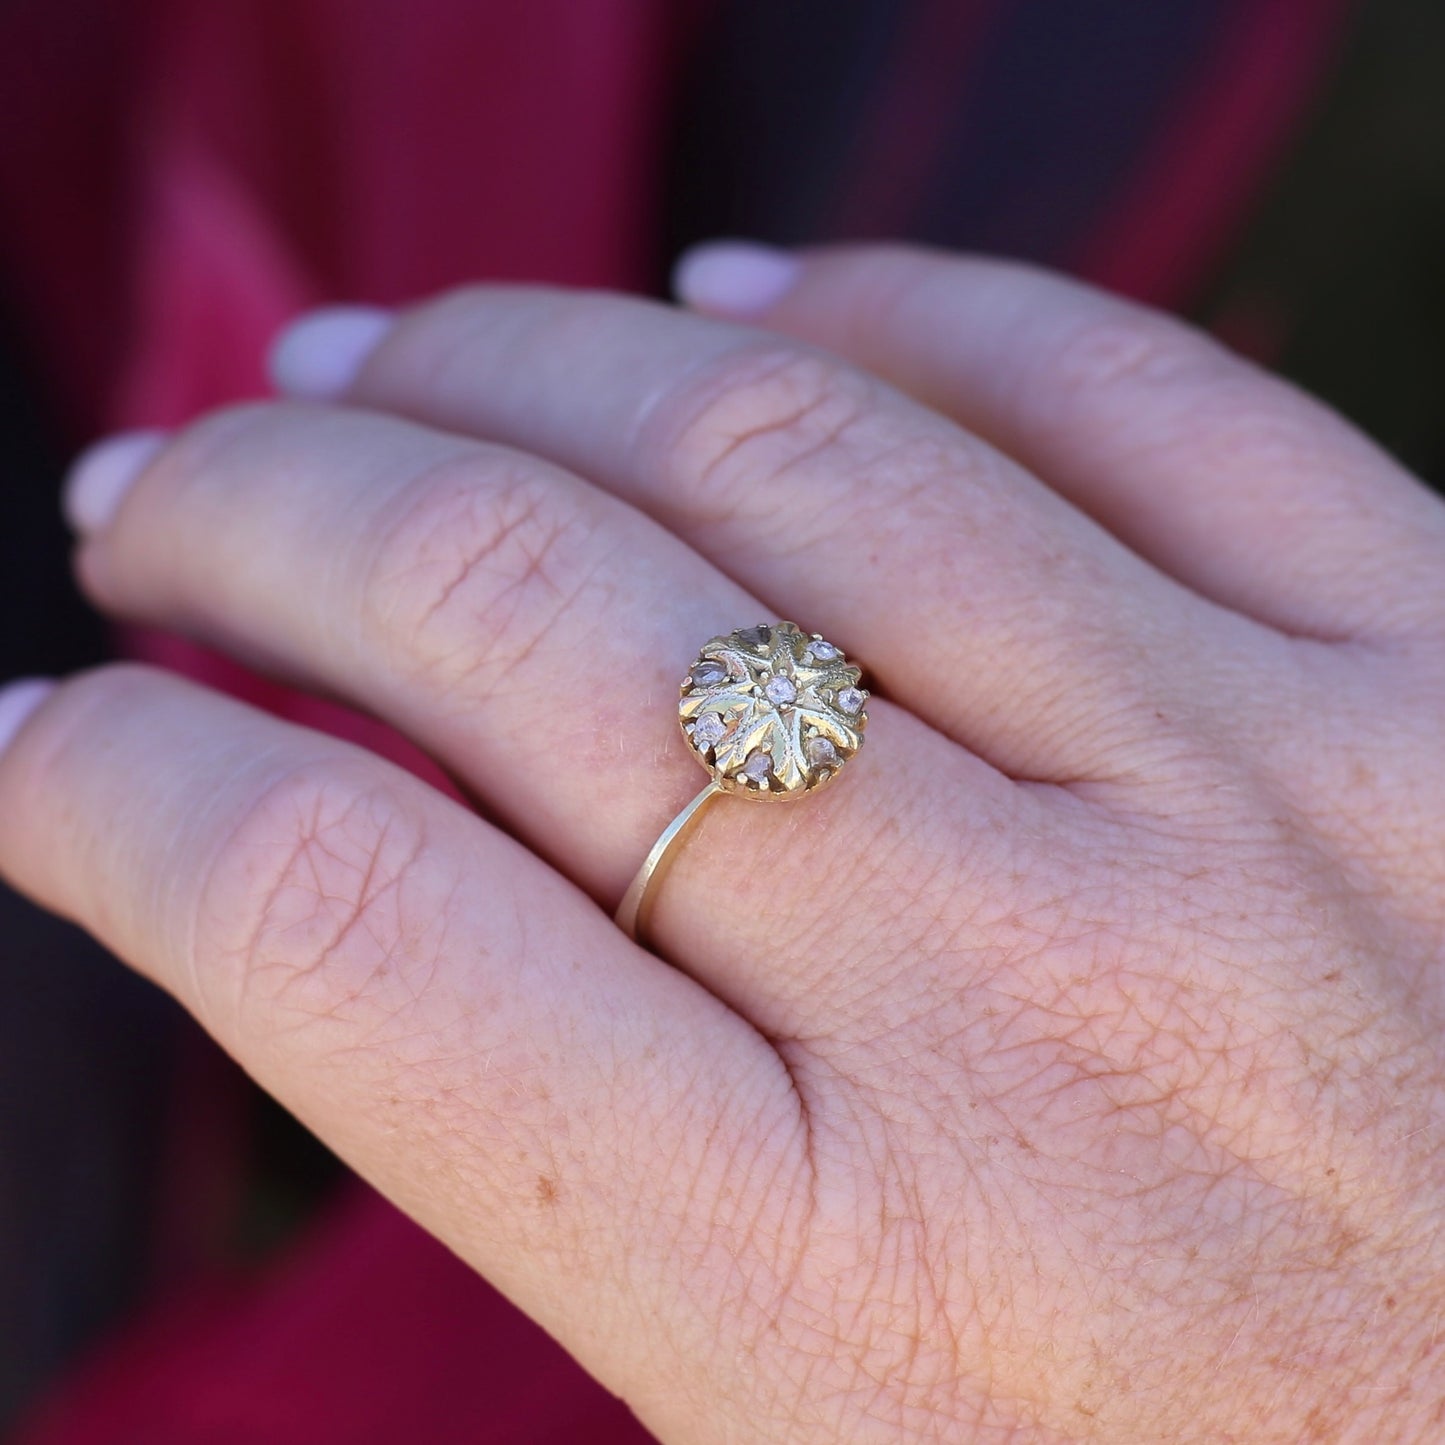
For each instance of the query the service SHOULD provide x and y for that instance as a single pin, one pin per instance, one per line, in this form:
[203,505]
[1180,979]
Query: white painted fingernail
[738,278]
[17,701]
[318,356]
[101,475]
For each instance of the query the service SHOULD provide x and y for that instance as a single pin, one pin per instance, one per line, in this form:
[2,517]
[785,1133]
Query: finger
[457,1021]
[988,605]
[525,627]
[1231,480]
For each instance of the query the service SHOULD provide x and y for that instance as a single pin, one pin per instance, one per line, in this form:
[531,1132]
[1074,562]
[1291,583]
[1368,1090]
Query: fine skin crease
[1072,1071]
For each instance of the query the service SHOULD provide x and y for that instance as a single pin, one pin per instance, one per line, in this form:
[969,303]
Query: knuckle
[888,288]
[778,447]
[322,902]
[485,555]
[753,418]
[1177,389]
[1128,352]
[1174,387]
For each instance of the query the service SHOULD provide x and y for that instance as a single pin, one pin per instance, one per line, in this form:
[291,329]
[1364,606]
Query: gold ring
[773,713]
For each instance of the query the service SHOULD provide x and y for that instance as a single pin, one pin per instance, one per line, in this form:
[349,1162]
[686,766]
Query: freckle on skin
[546,1189]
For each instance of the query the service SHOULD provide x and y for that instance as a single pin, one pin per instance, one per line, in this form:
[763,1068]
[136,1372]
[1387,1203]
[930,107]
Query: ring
[773,713]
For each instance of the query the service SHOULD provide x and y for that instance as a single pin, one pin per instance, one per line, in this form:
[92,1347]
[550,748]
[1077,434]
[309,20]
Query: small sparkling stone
[821,752]
[781,690]
[709,673]
[772,711]
[707,731]
[758,765]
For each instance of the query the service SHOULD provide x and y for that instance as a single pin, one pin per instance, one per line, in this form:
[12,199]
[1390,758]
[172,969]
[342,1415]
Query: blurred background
[179,1261]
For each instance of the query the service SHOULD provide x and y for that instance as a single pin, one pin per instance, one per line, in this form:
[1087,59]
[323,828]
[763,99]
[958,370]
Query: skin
[1071,1071]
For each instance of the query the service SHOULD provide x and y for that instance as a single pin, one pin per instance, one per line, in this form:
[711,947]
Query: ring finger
[524,626]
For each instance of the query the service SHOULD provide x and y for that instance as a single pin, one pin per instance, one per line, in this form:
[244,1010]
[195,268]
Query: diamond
[772,711]
[707,731]
[781,690]
[708,673]
[821,752]
[758,765]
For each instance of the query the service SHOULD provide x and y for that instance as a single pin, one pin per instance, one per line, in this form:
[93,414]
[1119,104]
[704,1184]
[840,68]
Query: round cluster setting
[772,711]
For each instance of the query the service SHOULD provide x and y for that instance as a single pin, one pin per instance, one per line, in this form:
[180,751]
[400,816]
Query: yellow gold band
[773,713]
[635,909]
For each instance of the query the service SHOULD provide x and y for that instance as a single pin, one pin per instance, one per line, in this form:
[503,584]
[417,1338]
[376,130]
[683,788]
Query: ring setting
[773,714]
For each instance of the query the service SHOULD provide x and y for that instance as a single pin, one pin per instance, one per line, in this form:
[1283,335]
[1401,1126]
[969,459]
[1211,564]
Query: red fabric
[911,124]
[1207,168]
[373,1333]
[191,174]
[296,150]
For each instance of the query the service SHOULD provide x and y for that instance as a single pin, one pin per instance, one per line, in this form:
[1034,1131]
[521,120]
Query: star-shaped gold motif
[762,710]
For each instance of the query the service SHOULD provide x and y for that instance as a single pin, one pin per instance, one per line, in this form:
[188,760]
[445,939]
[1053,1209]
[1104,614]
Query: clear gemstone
[781,690]
[850,699]
[821,651]
[758,765]
[758,636]
[707,731]
[821,752]
[708,673]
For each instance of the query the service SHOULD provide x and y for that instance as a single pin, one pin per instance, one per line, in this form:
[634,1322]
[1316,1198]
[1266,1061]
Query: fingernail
[739,278]
[101,475]
[318,356]
[17,701]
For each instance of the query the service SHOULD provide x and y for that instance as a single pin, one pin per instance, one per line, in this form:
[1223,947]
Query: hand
[1072,1070]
